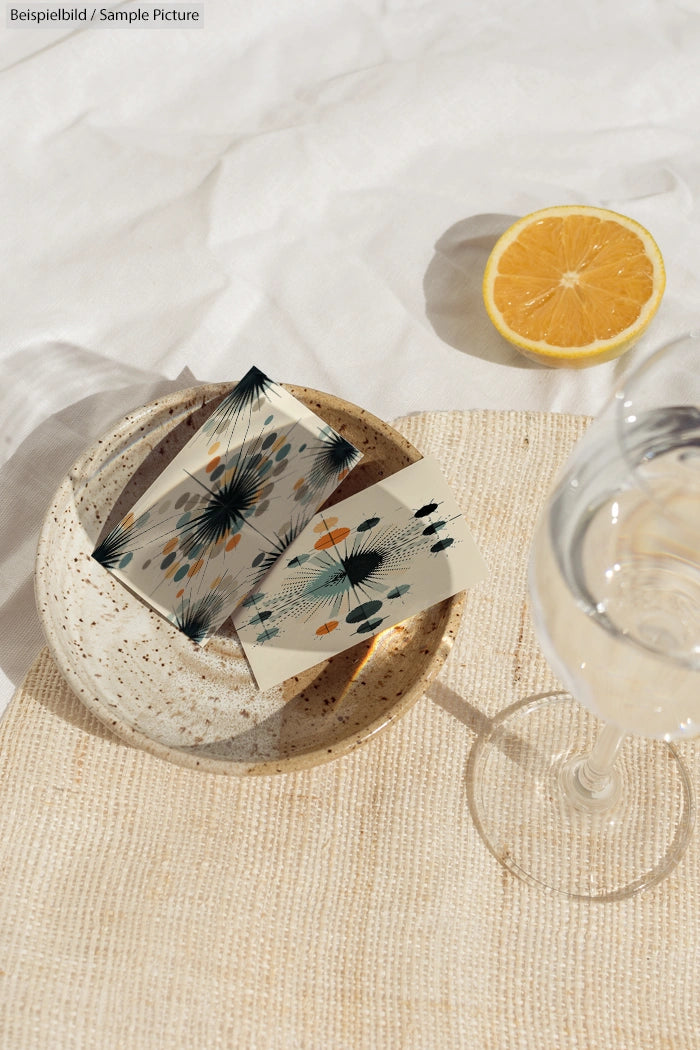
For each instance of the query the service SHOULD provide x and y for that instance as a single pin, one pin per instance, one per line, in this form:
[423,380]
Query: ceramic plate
[196,706]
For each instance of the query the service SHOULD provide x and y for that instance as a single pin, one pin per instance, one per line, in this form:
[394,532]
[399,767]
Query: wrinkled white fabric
[313,187]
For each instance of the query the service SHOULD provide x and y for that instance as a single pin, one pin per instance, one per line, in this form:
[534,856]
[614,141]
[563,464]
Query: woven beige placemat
[352,906]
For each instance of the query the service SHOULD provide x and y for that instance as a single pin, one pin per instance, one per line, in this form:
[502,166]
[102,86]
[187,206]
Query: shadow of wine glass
[488,730]
[452,288]
[516,749]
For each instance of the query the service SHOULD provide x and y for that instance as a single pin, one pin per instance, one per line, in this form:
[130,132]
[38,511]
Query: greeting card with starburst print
[368,563]
[227,506]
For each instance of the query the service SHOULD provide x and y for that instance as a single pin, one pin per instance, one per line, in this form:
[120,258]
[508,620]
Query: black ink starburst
[196,619]
[225,510]
[342,575]
[333,455]
[244,395]
[277,546]
[114,546]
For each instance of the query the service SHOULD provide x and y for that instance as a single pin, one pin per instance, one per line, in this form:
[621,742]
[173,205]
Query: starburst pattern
[113,547]
[244,396]
[197,618]
[119,545]
[277,546]
[332,457]
[225,511]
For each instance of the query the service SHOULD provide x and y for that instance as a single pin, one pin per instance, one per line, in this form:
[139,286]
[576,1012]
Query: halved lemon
[573,285]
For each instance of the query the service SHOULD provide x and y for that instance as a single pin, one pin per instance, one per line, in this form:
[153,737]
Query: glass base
[629,841]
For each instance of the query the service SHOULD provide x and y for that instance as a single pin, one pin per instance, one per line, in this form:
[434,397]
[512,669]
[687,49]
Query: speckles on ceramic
[197,706]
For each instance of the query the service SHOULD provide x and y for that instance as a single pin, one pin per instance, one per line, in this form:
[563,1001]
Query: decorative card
[361,567]
[227,506]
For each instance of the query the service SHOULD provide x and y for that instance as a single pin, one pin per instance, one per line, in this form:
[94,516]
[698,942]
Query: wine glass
[590,797]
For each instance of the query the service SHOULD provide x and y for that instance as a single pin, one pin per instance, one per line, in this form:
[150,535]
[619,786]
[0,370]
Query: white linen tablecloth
[313,187]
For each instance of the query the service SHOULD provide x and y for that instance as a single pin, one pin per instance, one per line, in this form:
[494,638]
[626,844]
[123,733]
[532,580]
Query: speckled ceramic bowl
[196,706]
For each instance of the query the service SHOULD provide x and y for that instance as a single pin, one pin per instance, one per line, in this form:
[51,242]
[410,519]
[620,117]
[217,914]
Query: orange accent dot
[170,545]
[331,539]
[343,474]
[128,521]
[326,628]
[180,592]
[173,569]
[233,542]
[298,484]
[212,464]
[215,583]
[214,448]
[196,567]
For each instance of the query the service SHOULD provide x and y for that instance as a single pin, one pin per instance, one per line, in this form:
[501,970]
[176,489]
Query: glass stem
[590,782]
[596,769]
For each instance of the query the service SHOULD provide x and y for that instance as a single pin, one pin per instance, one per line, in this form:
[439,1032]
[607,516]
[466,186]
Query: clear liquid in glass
[615,576]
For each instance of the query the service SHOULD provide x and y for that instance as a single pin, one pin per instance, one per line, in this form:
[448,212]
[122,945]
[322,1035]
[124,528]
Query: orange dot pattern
[331,539]
[326,628]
